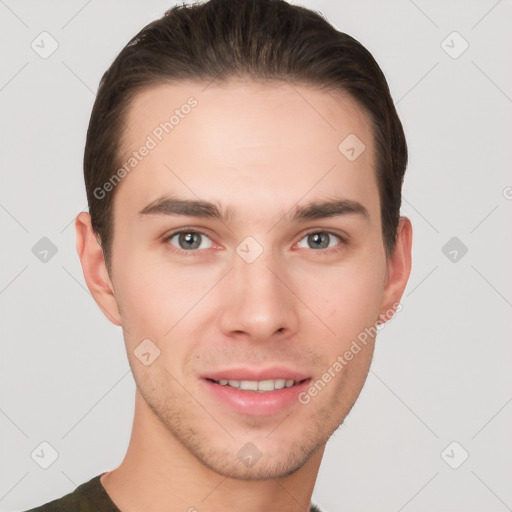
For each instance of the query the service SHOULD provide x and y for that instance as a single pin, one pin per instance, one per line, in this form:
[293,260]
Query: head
[284,130]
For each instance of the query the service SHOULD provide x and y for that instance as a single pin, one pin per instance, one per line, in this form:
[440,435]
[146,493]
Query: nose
[259,301]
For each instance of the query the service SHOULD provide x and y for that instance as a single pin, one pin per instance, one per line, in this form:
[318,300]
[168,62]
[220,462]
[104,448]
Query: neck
[160,473]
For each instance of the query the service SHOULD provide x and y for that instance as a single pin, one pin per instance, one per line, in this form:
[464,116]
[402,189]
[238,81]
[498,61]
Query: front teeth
[261,385]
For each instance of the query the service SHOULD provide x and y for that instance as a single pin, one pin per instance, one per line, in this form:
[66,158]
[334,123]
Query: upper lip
[272,373]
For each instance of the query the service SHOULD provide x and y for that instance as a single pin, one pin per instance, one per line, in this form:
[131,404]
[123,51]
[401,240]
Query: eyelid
[185,229]
[203,231]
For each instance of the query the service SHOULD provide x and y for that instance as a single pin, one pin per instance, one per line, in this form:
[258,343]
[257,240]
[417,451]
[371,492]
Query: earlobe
[94,268]
[399,269]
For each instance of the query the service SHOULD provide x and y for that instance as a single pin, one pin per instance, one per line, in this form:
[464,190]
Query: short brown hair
[257,39]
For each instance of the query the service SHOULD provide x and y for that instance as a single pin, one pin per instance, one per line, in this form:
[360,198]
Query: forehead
[245,144]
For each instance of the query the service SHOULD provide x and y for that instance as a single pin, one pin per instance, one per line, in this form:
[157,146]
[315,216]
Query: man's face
[258,290]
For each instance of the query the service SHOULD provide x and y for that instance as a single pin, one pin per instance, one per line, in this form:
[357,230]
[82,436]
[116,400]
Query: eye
[189,240]
[323,240]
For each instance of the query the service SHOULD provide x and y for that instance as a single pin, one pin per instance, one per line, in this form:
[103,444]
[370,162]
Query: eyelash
[321,252]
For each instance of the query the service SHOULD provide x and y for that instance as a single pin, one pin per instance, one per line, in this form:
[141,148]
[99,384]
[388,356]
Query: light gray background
[441,371]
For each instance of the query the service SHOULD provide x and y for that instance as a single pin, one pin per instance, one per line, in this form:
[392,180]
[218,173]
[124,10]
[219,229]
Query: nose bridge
[259,303]
[259,276]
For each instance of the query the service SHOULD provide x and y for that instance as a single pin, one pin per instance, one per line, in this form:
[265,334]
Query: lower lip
[256,403]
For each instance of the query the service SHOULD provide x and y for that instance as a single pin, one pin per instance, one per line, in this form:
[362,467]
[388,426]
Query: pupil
[317,238]
[189,237]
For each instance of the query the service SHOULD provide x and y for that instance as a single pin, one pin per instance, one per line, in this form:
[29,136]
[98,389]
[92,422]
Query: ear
[94,268]
[398,270]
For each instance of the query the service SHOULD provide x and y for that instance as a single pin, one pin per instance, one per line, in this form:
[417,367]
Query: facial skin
[262,150]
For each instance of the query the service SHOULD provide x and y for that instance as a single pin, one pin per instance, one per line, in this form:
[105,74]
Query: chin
[265,468]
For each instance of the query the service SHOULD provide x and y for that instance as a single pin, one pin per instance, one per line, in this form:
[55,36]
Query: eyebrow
[167,205]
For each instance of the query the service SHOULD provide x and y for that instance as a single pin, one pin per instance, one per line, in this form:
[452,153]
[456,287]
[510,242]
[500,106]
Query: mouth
[259,386]
[262,398]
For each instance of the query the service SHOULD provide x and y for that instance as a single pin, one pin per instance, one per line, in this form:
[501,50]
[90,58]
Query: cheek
[159,299]
[347,299]
[143,295]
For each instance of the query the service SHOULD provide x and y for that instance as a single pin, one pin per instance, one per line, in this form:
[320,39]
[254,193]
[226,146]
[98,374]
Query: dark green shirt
[90,496]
